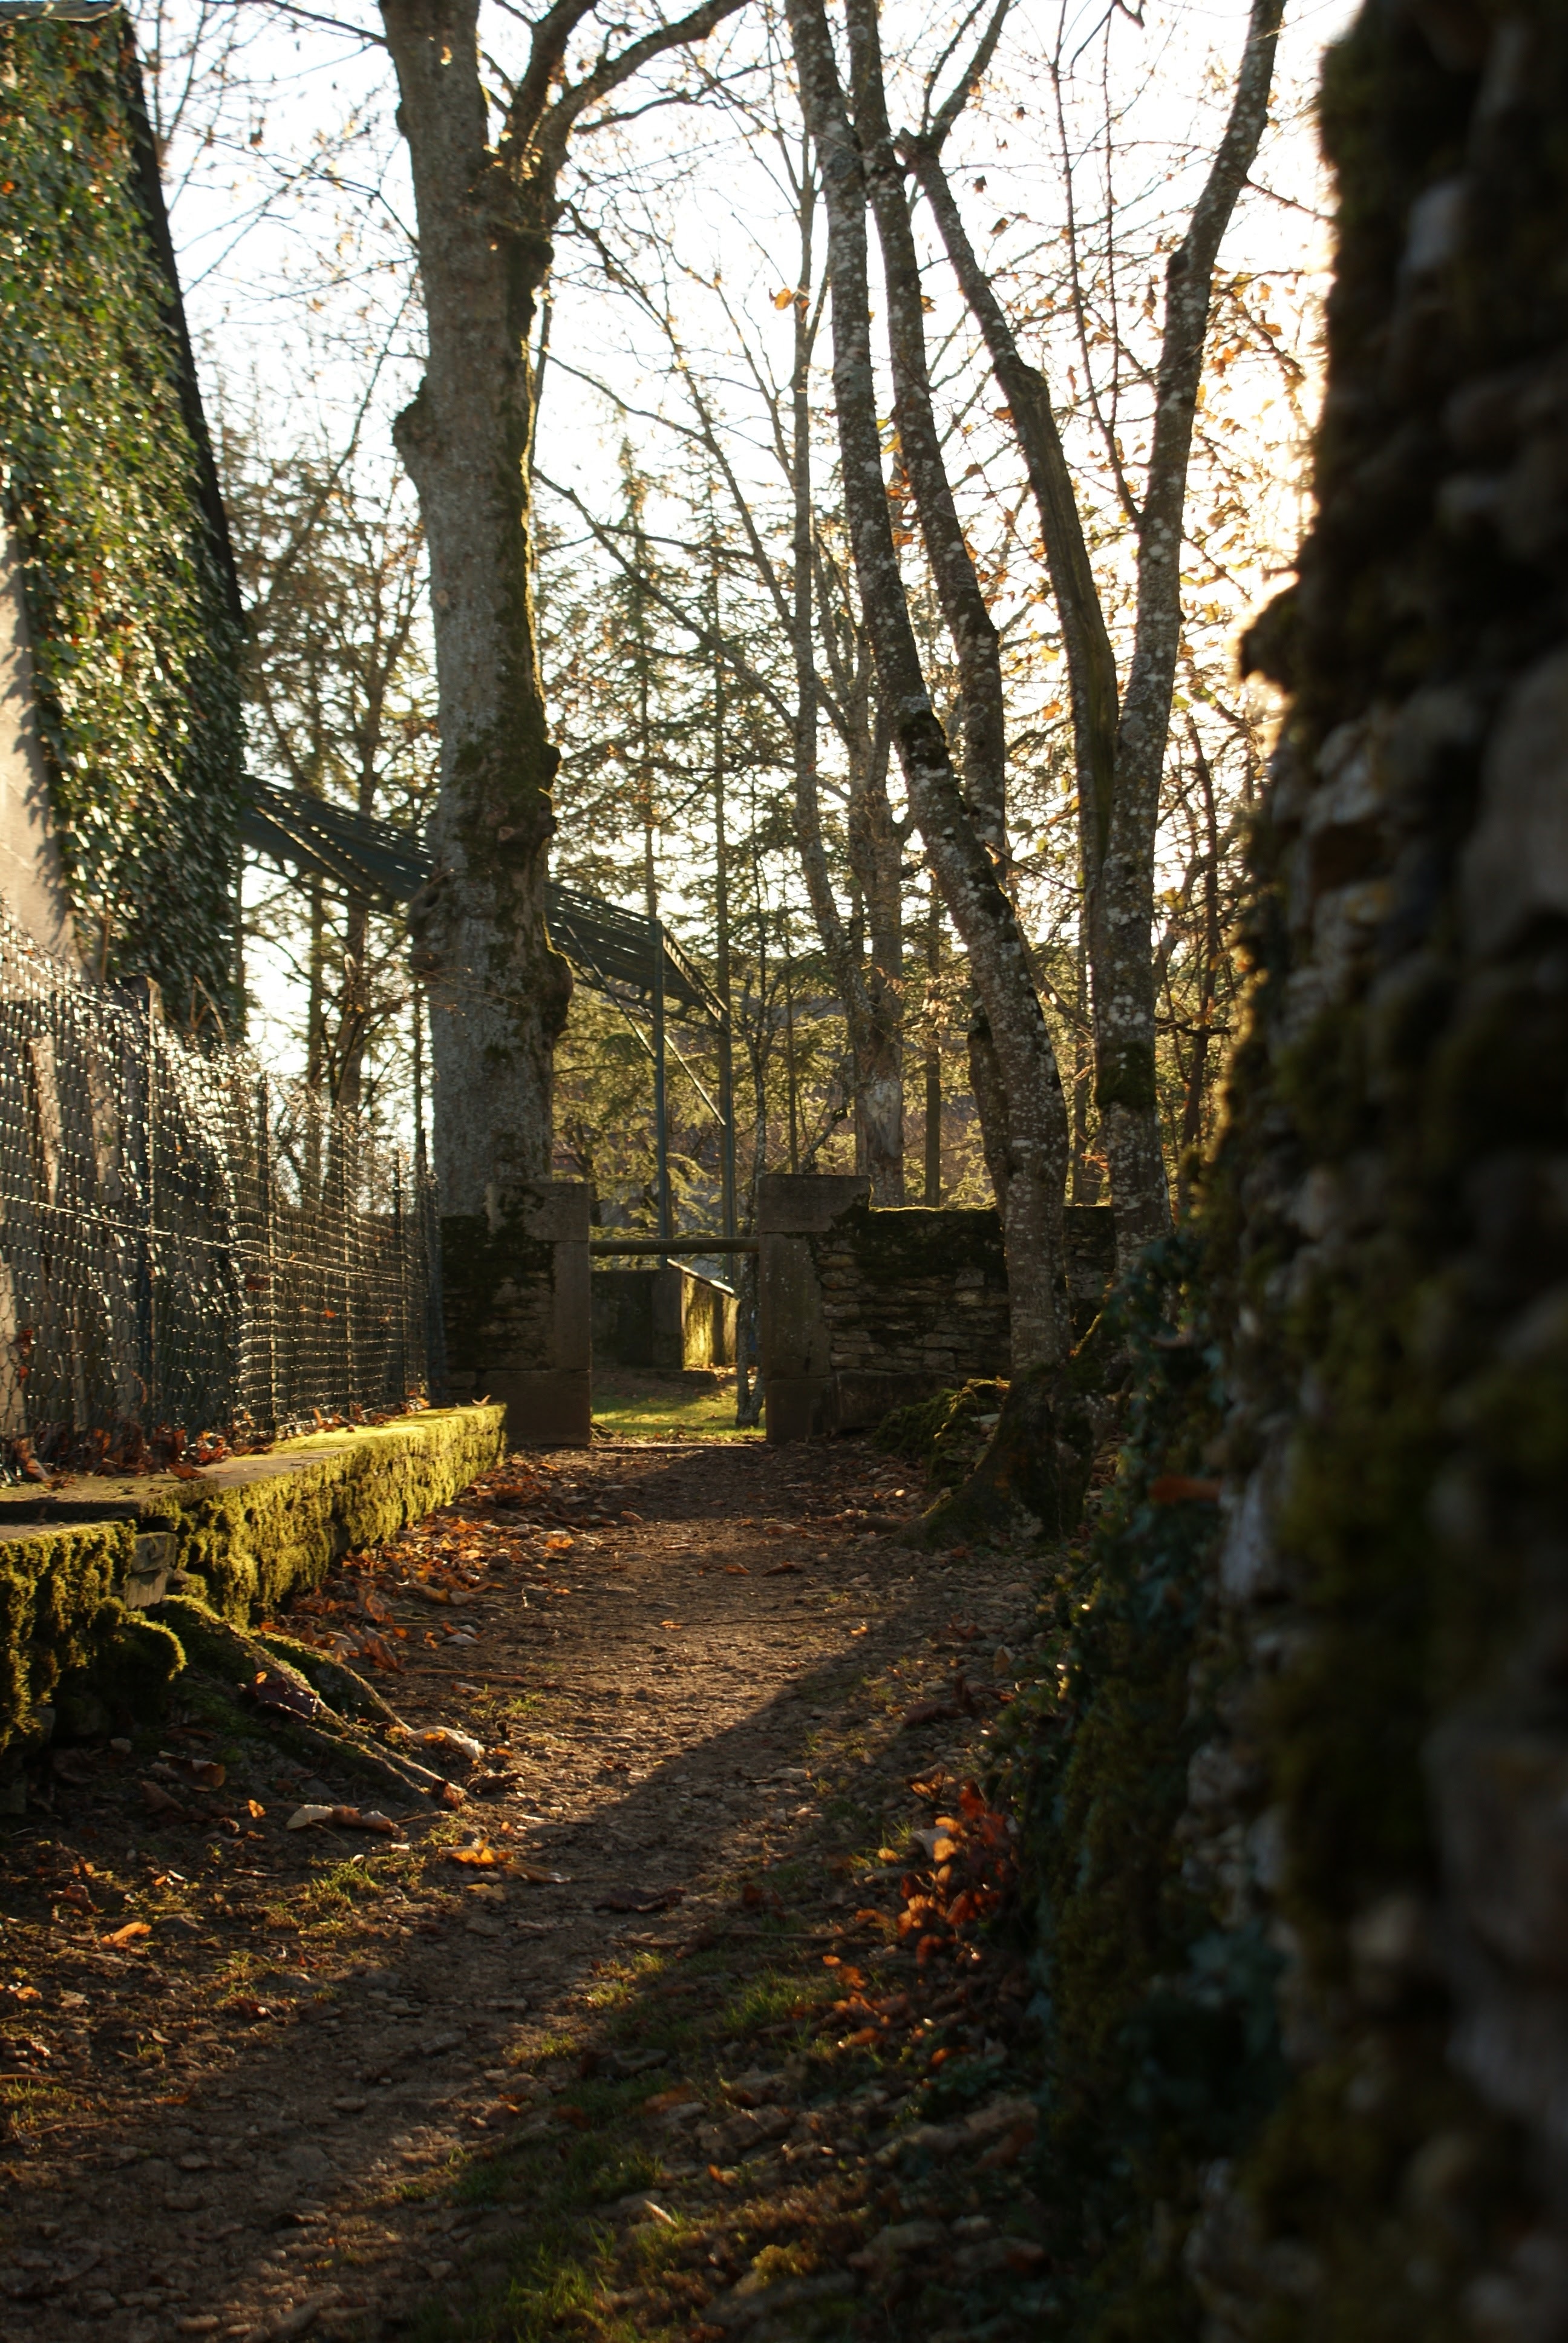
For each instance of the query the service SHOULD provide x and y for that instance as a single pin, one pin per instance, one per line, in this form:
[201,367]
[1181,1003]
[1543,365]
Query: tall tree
[1019,1089]
[486,214]
[1120,732]
[339,706]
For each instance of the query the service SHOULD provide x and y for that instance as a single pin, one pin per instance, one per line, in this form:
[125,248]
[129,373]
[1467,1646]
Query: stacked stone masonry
[865,1310]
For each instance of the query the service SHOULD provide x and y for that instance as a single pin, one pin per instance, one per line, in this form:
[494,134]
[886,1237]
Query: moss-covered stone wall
[250,1534]
[57,1601]
[914,1300]
[1296,1783]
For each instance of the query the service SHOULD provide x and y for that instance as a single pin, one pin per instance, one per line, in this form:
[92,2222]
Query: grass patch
[642,1405]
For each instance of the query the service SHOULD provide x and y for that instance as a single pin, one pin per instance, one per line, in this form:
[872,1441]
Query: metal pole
[660,1110]
[400,1244]
[266,1300]
[721,911]
[727,1119]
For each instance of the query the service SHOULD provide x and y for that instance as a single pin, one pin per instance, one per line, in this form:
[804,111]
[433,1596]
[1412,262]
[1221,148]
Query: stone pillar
[668,1347]
[518,1312]
[797,1375]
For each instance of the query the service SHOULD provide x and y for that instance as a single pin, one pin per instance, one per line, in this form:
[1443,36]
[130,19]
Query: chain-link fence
[186,1252]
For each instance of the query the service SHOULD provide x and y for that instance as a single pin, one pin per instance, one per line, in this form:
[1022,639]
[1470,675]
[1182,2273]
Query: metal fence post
[266,1280]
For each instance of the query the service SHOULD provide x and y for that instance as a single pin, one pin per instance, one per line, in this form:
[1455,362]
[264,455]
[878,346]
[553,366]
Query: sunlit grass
[642,1405]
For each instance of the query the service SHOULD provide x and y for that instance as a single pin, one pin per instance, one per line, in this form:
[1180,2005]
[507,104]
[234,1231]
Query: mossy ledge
[251,1531]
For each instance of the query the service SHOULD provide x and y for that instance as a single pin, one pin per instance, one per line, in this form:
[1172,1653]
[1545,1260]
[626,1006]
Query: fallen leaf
[255,1809]
[159,1800]
[735,1570]
[537,1879]
[1182,1488]
[458,1745]
[130,1933]
[484,1856]
[927,1712]
[304,1816]
[680,2095]
[275,1688]
[783,1569]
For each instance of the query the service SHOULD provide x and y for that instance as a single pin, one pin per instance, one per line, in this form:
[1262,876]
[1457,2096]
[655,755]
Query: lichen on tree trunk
[498,990]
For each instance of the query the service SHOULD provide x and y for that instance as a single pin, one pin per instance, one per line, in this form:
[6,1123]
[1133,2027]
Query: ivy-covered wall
[1296,1788]
[110,493]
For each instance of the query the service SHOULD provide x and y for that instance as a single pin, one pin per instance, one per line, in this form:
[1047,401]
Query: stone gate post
[517,1310]
[792,1332]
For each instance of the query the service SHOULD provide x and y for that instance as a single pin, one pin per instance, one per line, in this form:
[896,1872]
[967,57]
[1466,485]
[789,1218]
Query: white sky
[292,221]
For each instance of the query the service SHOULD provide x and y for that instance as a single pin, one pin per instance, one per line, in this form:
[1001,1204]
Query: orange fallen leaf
[682,2096]
[129,1933]
[735,1570]
[1177,1488]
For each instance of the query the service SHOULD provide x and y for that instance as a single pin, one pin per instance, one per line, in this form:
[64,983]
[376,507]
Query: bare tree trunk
[933,1138]
[498,991]
[1036,1123]
[1212,946]
[1121,748]
[878,1092]
[876,850]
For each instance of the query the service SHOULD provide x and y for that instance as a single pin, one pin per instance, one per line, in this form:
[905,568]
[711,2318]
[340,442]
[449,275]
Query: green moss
[133,1664]
[914,1241]
[55,1586]
[339,1686]
[265,1537]
[1160,2047]
[250,1544]
[945,1433]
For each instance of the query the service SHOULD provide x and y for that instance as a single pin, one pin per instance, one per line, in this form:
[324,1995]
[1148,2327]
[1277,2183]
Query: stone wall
[1302,1895]
[516,1300]
[865,1309]
[661,1319]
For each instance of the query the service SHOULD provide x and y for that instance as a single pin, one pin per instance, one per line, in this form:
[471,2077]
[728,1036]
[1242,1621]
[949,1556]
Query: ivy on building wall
[135,636]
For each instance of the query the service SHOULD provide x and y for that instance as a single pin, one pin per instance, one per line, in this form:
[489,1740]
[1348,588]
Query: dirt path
[263,2082]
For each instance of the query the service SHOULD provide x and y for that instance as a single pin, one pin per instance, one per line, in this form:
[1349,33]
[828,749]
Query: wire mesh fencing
[190,1257]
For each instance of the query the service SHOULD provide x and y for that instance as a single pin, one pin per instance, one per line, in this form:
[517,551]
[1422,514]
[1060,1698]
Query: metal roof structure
[621,953]
[353,850]
[630,959]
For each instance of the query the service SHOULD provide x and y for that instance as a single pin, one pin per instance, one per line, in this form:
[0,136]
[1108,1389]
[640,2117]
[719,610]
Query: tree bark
[1036,1123]
[1121,739]
[876,849]
[873,1045]
[497,990]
